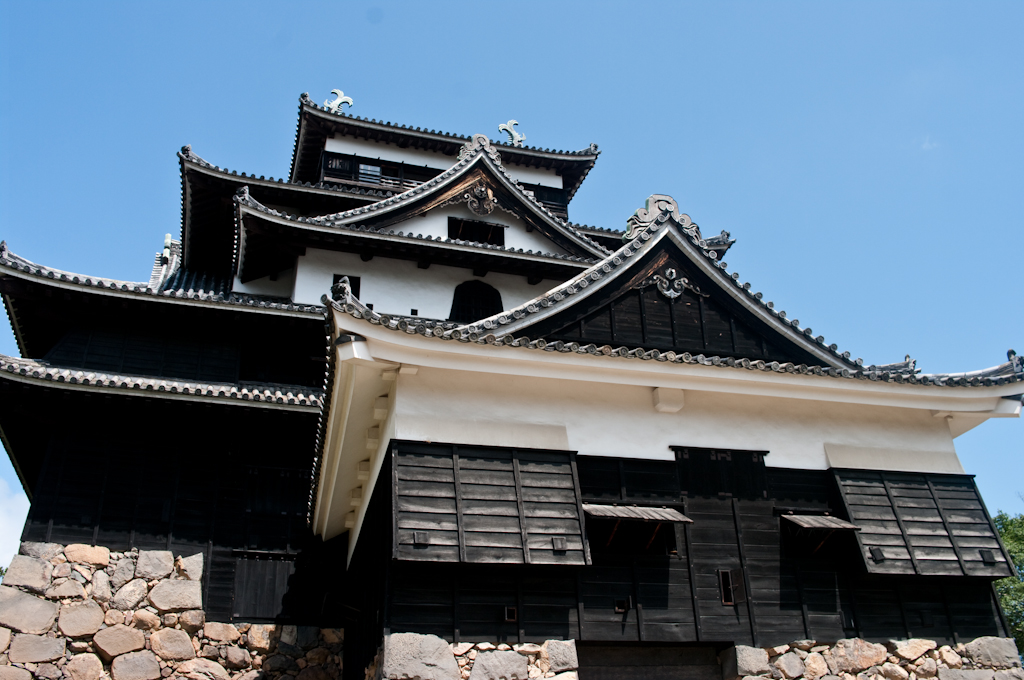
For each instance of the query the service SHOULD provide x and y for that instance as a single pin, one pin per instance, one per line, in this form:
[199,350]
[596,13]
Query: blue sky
[867,156]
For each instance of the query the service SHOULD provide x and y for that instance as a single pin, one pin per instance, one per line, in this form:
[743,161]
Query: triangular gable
[479,180]
[664,290]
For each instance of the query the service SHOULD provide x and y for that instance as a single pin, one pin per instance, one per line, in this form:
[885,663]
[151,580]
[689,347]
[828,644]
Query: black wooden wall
[228,481]
[650,584]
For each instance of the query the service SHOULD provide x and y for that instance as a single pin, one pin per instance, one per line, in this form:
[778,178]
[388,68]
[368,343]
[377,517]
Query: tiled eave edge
[586,157]
[267,396]
[249,206]
[1009,372]
[189,160]
[13,265]
[477,151]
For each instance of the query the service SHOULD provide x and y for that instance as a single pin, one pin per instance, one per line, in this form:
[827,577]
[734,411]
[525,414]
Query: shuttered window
[921,524]
[486,505]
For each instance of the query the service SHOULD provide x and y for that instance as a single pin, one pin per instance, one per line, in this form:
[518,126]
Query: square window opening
[478,232]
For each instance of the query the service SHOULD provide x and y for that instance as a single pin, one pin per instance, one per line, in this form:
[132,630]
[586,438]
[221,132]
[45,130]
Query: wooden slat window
[926,524]
[486,505]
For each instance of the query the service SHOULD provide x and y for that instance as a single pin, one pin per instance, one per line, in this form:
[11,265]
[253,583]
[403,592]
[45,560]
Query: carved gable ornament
[671,285]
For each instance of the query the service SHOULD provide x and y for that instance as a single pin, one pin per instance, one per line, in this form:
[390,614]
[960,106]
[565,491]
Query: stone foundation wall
[80,612]
[405,656]
[986,658]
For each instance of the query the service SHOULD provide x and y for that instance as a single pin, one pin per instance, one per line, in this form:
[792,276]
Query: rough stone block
[117,640]
[35,649]
[96,555]
[894,672]
[154,564]
[333,636]
[124,571]
[44,551]
[461,648]
[815,666]
[500,665]
[426,657]
[170,596]
[853,655]
[236,657]
[318,656]
[201,669]
[993,652]
[190,567]
[961,674]
[171,644]
[130,595]
[193,620]
[14,673]
[136,666]
[69,589]
[561,655]
[307,637]
[145,620]
[740,661]
[260,637]
[790,665]
[5,639]
[279,662]
[927,668]
[80,619]
[1010,674]
[313,673]
[25,613]
[803,645]
[85,667]
[101,587]
[911,650]
[29,572]
[949,657]
[221,632]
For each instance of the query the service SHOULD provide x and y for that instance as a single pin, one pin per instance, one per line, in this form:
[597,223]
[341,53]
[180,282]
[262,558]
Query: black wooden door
[647,662]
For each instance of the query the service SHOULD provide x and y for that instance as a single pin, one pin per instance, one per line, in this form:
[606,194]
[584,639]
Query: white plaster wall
[435,223]
[282,287]
[397,286]
[429,159]
[600,419]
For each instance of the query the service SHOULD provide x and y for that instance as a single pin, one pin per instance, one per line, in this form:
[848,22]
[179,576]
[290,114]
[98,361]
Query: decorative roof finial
[514,137]
[335,106]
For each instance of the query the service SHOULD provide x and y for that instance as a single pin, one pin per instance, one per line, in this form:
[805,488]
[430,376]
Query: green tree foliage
[1011,590]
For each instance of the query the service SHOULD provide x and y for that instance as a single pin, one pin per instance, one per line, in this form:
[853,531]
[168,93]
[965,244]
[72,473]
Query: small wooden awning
[636,512]
[820,522]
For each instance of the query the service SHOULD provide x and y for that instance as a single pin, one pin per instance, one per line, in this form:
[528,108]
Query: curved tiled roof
[187,155]
[305,103]
[644,226]
[1010,372]
[479,149]
[244,199]
[257,394]
[181,285]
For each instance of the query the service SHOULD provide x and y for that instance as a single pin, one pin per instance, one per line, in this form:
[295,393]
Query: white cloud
[929,144]
[13,510]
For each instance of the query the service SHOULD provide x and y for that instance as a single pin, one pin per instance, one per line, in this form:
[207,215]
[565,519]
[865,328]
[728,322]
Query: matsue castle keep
[394,416]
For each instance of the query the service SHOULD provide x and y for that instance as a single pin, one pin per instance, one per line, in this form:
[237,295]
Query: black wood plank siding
[922,524]
[483,505]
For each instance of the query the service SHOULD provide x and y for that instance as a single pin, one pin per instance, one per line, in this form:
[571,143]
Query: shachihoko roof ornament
[340,99]
[509,128]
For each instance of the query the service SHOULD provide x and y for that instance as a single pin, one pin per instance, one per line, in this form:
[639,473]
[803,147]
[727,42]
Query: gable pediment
[665,303]
[665,290]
